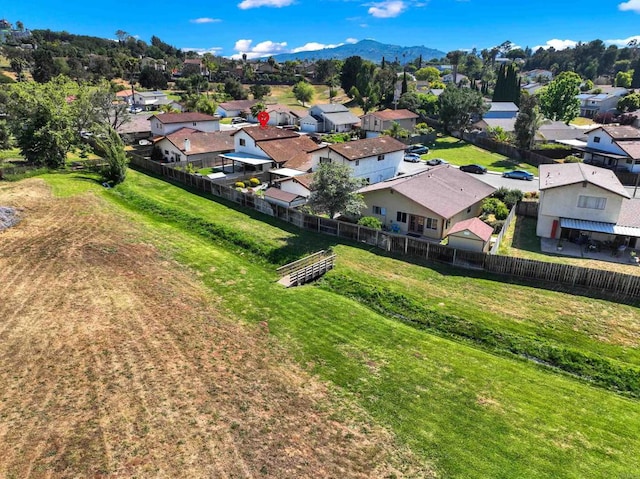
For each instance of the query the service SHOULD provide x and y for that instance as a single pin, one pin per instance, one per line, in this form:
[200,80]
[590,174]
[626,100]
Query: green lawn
[468,411]
[462,153]
[11,154]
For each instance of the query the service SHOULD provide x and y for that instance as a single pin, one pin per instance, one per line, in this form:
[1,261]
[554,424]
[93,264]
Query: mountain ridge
[367,49]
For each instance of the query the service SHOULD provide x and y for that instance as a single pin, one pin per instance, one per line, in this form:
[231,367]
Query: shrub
[239,184]
[254,181]
[508,197]
[572,159]
[496,207]
[370,222]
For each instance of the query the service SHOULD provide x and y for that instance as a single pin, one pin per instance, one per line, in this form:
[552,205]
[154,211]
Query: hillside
[367,49]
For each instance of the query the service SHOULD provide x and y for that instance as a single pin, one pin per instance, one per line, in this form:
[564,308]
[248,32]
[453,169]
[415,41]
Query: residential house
[233,108]
[532,88]
[188,144]
[150,100]
[537,76]
[162,125]
[579,200]
[613,147]
[560,132]
[470,235]
[280,197]
[593,104]
[269,149]
[377,122]
[194,64]
[426,204]
[459,79]
[282,115]
[299,185]
[137,127]
[507,124]
[159,65]
[374,159]
[333,117]
[502,109]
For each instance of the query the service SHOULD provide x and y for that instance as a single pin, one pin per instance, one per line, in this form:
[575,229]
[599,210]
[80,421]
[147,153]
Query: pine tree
[405,87]
[635,80]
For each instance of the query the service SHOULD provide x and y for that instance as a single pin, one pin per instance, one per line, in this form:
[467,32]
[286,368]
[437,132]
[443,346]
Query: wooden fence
[505,227]
[622,286]
[527,208]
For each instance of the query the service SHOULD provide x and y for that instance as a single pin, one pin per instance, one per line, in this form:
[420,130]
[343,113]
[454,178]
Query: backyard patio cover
[599,227]
[247,159]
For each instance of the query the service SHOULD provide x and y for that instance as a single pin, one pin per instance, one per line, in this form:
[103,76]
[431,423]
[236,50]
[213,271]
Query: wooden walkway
[306,269]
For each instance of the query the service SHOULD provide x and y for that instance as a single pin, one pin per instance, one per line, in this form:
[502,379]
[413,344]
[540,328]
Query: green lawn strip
[11,154]
[601,371]
[462,153]
[473,413]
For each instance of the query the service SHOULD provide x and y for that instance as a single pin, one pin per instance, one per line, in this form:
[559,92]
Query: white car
[136,109]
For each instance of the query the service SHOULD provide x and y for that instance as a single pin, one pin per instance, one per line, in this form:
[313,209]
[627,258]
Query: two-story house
[150,100]
[578,199]
[373,124]
[592,104]
[374,159]
[332,117]
[616,147]
[162,125]
[187,144]
[501,114]
[235,108]
[428,203]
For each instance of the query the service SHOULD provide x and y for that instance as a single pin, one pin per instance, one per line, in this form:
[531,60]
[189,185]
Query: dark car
[436,162]
[417,148]
[518,175]
[477,169]
[237,121]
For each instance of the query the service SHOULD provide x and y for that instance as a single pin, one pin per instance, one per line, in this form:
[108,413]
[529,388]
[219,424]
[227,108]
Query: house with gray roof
[426,204]
[615,147]
[333,117]
[583,200]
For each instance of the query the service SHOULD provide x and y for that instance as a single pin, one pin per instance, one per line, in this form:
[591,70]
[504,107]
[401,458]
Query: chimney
[187,145]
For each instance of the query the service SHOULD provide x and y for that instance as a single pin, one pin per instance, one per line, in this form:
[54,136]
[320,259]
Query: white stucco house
[166,124]
[592,104]
[578,199]
[616,147]
[426,204]
[332,117]
[149,100]
[374,159]
[373,124]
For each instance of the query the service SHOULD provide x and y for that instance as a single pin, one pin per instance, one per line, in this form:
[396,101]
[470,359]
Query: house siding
[160,129]
[468,243]
[369,167]
[562,202]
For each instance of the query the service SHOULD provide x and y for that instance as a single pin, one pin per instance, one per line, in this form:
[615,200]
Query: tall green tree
[558,99]
[529,120]
[350,69]
[111,149]
[458,106]
[507,84]
[152,78]
[430,74]
[259,91]
[234,89]
[303,92]
[635,79]
[334,190]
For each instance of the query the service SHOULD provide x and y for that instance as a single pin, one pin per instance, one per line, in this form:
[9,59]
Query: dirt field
[115,364]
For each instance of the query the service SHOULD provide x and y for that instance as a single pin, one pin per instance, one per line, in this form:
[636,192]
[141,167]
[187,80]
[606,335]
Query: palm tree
[454,57]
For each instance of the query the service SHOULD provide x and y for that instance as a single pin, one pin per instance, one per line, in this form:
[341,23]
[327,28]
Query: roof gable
[201,142]
[476,226]
[564,174]
[386,115]
[355,150]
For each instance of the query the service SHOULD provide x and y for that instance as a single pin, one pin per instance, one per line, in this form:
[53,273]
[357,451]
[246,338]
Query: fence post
[338,230]
[406,244]
[358,234]
[427,254]
[376,237]
[454,256]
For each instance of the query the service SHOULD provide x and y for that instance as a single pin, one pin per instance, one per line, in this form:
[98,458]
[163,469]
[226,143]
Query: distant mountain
[367,49]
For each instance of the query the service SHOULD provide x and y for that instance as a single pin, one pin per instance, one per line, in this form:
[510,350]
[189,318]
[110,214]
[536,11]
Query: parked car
[436,162]
[417,148]
[237,120]
[135,109]
[477,169]
[518,175]
[412,157]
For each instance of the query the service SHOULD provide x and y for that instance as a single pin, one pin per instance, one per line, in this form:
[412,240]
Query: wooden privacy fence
[608,282]
[505,227]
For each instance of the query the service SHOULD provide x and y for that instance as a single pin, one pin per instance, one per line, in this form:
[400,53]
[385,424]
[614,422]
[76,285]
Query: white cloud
[557,44]
[262,49]
[205,20]
[631,5]
[246,4]
[623,42]
[351,40]
[387,9]
[312,46]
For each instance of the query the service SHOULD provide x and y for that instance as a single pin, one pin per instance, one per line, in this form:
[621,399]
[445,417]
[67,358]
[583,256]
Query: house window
[357,162]
[380,157]
[378,210]
[324,159]
[401,217]
[195,124]
[166,152]
[242,142]
[596,139]
[431,224]
[592,202]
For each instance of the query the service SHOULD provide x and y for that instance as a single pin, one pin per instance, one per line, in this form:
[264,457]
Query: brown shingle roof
[631,148]
[202,142]
[394,114]
[237,104]
[267,133]
[444,190]
[354,150]
[630,213]
[620,132]
[478,227]
[292,152]
[278,194]
[553,176]
[168,118]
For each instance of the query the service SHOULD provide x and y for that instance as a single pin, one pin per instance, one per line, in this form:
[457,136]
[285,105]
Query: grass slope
[470,412]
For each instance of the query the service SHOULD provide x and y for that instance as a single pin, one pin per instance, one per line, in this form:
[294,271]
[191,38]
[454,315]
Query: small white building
[332,117]
[150,100]
[233,108]
[472,234]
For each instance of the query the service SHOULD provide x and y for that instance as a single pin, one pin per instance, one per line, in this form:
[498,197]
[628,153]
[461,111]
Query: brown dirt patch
[116,364]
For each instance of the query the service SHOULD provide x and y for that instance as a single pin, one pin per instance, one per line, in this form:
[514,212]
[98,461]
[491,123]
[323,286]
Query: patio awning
[599,227]
[247,159]
[287,172]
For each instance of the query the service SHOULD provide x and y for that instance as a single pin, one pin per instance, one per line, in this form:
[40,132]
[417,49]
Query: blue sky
[264,27]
